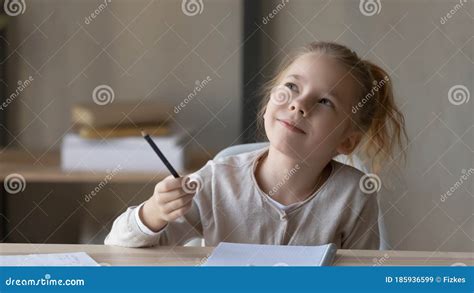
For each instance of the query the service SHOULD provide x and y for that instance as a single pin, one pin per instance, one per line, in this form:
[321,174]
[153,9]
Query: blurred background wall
[152,50]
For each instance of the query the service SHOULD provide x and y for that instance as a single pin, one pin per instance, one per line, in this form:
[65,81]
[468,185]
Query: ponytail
[382,121]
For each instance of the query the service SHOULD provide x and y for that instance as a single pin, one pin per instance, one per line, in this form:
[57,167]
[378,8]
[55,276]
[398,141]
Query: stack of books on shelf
[108,138]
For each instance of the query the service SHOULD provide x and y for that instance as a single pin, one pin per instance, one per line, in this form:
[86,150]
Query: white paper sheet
[238,254]
[53,259]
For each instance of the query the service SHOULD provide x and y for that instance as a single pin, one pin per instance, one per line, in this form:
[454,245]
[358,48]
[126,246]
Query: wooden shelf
[43,167]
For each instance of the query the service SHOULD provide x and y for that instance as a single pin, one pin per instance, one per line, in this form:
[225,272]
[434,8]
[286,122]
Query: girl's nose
[297,106]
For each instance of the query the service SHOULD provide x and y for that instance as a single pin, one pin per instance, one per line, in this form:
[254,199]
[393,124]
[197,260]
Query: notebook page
[53,259]
[238,254]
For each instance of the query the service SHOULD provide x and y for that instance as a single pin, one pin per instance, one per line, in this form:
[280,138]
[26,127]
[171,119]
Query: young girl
[324,102]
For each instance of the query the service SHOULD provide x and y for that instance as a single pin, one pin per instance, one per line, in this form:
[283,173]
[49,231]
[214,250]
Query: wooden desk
[191,256]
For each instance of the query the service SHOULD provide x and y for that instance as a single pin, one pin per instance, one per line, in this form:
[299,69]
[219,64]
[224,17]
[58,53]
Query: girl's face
[308,114]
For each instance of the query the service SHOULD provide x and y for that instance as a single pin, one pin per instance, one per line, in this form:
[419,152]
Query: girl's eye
[326,102]
[291,86]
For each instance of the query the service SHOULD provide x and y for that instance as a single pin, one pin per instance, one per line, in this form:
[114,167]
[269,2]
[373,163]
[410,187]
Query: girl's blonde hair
[376,114]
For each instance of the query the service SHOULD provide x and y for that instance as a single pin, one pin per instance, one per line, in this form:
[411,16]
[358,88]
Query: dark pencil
[160,154]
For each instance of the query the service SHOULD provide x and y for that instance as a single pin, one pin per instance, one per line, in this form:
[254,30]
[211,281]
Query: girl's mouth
[291,126]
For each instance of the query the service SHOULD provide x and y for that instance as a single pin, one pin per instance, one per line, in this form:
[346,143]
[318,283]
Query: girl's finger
[163,198]
[171,206]
[168,184]
[180,212]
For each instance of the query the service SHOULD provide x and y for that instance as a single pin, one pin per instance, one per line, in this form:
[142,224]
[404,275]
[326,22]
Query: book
[240,254]
[118,114]
[129,154]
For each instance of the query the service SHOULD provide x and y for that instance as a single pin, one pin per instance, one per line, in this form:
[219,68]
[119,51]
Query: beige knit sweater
[231,207]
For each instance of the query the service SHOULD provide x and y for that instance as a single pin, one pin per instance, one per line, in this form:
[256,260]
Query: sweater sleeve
[126,229]
[365,232]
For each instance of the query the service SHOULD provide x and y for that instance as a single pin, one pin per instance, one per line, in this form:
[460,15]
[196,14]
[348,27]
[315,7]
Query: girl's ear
[348,145]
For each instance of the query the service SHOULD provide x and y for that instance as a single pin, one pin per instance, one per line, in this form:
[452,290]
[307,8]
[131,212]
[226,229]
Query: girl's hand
[169,202]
